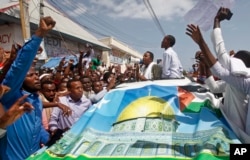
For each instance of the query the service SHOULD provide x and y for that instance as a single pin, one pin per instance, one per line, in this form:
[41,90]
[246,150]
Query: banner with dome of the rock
[147,122]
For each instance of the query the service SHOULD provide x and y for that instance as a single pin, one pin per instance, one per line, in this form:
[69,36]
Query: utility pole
[24,16]
[41,9]
[41,57]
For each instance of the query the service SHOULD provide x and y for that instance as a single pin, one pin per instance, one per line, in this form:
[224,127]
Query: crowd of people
[56,99]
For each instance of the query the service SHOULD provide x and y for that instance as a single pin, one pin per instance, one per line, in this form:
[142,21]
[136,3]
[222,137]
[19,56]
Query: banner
[147,121]
[204,11]
[10,34]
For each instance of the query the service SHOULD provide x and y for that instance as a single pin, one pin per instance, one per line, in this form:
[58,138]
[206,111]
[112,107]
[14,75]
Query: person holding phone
[234,109]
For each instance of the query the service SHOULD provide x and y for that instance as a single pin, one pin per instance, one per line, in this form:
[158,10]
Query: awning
[7,6]
[54,61]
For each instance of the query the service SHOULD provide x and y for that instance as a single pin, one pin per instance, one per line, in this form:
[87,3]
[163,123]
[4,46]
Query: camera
[229,14]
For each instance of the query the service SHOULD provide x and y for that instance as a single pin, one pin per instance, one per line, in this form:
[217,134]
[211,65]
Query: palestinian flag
[147,121]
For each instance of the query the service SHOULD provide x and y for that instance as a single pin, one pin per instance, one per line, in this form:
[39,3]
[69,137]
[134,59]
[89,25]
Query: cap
[43,75]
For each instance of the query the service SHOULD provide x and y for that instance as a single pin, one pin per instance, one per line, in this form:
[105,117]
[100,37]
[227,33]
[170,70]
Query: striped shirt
[59,121]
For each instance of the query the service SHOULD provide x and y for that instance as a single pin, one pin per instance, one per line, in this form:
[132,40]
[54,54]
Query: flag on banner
[204,11]
[147,121]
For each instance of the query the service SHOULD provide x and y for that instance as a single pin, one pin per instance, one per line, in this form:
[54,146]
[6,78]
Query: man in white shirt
[241,83]
[88,55]
[147,66]
[235,106]
[171,65]
[100,91]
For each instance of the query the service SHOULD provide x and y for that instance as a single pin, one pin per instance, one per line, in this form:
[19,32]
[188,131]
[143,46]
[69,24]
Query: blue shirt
[25,135]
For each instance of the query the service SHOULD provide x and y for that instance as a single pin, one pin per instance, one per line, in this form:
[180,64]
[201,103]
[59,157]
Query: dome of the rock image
[148,106]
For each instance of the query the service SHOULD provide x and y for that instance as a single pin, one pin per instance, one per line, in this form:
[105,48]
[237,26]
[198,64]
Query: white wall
[10,34]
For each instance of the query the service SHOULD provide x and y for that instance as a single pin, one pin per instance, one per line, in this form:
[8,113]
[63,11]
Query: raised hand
[66,110]
[223,13]
[15,112]
[194,32]
[62,62]
[71,61]
[46,24]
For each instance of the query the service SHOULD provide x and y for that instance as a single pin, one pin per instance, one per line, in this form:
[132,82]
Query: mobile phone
[229,15]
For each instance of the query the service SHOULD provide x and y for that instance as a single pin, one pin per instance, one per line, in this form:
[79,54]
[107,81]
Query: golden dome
[148,106]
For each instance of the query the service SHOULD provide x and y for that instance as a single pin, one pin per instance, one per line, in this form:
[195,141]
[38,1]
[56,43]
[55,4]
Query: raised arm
[215,67]
[217,39]
[67,69]
[59,69]
[17,72]
[15,112]
[80,65]
[194,32]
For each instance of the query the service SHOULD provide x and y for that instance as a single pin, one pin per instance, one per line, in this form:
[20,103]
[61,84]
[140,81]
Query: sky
[130,22]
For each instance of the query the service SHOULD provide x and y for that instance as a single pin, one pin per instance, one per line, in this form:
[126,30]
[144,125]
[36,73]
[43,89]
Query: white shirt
[215,86]
[235,100]
[97,97]
[171,65]
[89,58]
[234,65]
[220,49]
[235,109]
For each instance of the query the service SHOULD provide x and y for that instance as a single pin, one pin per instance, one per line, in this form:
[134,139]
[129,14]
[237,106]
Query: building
[66,39]
[119,54]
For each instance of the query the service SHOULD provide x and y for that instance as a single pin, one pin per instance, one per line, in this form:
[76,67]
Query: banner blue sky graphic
[147,115]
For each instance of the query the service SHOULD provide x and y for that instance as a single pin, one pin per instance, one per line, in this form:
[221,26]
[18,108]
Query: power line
[108,27]
[97,23]
[152,13]
[75,20]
